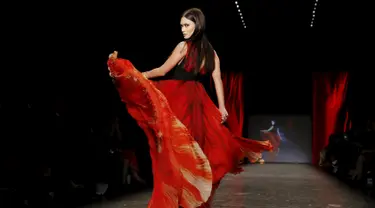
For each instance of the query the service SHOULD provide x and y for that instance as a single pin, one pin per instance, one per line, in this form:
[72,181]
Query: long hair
[199,48]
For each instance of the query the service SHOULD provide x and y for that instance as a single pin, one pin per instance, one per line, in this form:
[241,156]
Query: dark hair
[199,48]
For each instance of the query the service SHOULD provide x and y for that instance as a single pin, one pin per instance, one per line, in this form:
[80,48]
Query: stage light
[240,13]
[313,13]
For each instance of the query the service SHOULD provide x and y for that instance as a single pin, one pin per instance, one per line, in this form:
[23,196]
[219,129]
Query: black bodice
[180,73]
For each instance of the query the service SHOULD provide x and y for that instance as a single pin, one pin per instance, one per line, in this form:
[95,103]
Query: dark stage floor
[270,186]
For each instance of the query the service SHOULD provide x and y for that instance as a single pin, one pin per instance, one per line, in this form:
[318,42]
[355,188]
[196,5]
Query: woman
[182,174]
[193,59]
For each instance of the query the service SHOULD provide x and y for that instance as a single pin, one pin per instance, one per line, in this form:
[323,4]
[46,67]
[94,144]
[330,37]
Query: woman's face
[187,27]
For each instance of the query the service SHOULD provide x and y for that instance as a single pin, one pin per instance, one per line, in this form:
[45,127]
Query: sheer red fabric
[182,174]
[233,93]
[192,105]
[275,140]
[273,137]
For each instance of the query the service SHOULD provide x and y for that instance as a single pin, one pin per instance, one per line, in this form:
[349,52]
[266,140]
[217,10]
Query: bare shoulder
[217,59]
[182,46]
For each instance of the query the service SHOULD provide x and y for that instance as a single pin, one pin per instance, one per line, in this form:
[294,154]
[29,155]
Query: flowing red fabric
[275,140]
[182,173]
[273,137]
[233,93]
[192,105]
[329,90]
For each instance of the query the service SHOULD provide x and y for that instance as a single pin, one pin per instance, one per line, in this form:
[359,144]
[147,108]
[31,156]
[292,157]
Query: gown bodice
[180,73]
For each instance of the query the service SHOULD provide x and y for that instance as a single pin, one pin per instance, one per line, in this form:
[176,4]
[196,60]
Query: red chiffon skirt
[182,174]
[195,109]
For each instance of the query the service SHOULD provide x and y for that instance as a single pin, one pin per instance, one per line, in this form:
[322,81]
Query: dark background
[274,51]
[277,51]
[63,48]
[67,46]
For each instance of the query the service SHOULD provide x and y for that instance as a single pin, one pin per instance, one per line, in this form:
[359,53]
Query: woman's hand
[110,74]
[113,57]
[224,114]
[144,75]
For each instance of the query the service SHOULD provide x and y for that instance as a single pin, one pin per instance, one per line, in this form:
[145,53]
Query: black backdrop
[276,53]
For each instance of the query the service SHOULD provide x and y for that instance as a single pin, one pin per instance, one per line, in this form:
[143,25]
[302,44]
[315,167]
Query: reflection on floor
[270,186]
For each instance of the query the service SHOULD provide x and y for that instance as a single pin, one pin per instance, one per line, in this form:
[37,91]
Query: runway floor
[270,186]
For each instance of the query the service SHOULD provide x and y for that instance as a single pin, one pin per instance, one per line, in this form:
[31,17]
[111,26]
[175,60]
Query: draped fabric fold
[194,107]
[233,92]
[329,93]
[234,100]
[182,173]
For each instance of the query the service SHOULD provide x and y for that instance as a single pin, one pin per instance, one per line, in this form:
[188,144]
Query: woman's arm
[216,76]
[178,53]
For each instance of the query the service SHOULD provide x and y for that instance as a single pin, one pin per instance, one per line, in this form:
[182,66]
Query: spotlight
[313,13]
[240,13]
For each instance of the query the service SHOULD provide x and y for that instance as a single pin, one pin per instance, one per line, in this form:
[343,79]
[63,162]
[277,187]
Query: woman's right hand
[224,114]
[112,56]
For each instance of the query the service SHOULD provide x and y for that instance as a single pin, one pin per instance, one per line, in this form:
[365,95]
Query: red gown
[194,108]
[182,174]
